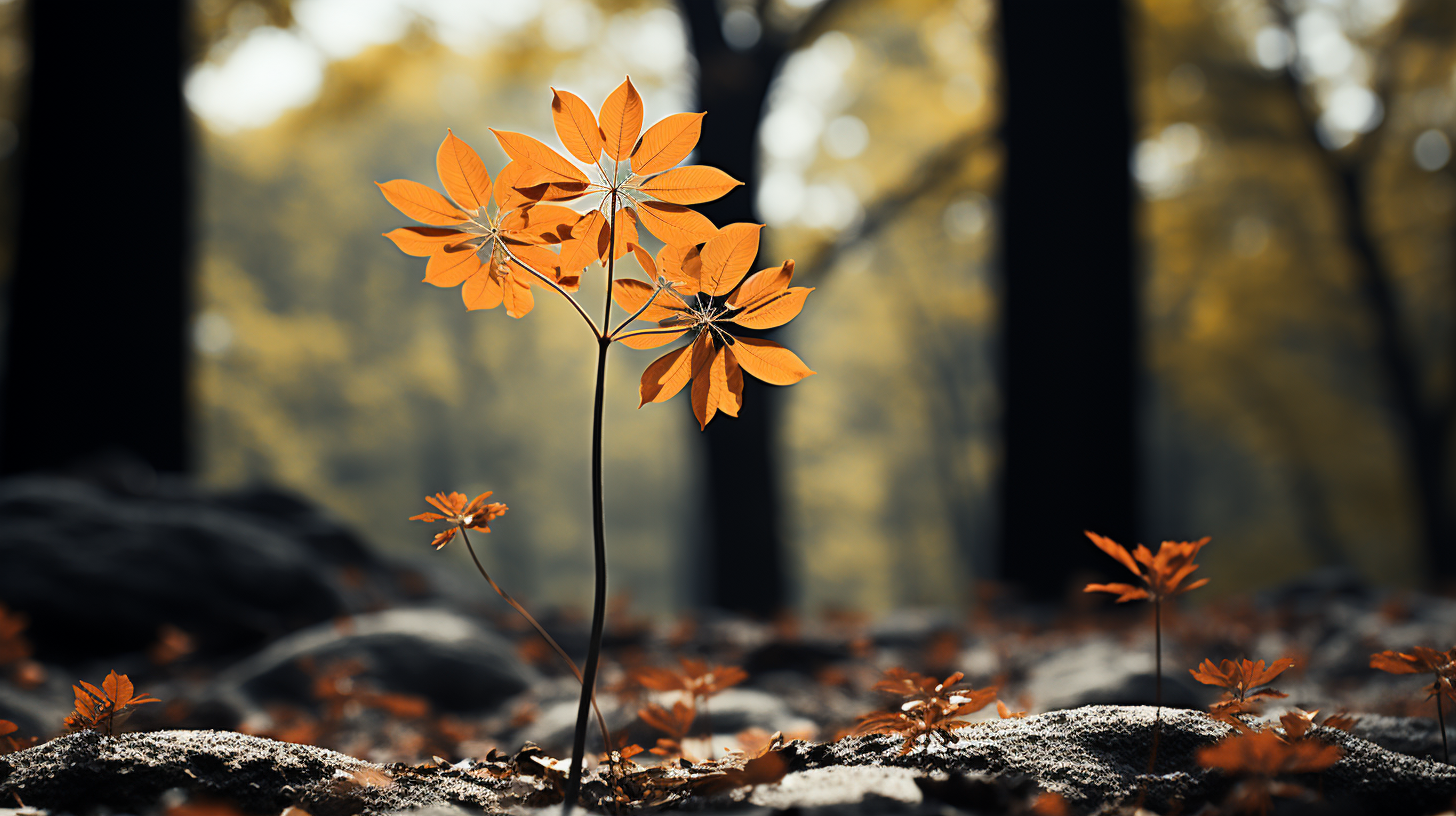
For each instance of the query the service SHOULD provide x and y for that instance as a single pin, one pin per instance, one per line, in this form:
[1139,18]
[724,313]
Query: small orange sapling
[499,238]
[1162,576]
[1240,681]
[1424,660]
[102,709]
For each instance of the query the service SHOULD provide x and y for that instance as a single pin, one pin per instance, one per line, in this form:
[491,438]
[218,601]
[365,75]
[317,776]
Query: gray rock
[233,572]
[1103,671]
[82,772]
[1097,756]
[1415,736]
[449,659]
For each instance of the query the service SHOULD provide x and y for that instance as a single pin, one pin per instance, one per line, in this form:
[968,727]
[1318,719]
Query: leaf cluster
[1162,574]
[105,708]
[1241,681]
[1261,757]
[472,515]
[931,707]
[697,681]
[1422,660]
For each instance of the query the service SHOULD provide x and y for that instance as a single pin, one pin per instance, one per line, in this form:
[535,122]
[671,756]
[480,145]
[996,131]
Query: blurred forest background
[1158,268]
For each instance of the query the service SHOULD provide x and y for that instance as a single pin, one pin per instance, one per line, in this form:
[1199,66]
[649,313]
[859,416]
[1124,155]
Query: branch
[881,213]
[554,285]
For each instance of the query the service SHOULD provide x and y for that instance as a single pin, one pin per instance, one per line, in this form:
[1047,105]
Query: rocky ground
[298,669]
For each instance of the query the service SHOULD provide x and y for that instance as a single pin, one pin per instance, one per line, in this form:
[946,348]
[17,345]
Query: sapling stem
[599,534]
[1157,679]
[1441,723]
[601,721]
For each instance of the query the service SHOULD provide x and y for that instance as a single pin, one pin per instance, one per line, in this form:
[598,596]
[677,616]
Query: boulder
[84,772]
[451,660]
[98,568]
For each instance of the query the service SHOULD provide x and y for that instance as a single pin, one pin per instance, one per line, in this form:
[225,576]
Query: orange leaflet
[502,237]
[715,360]
[474,515]
[106,707]
[644,194]
[1162,574]
[696,677]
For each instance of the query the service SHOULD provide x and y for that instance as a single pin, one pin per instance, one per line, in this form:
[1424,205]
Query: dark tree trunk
[96,354]
[1071,353]
[744,561]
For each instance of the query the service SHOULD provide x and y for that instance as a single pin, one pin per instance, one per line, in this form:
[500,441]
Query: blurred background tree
[1266,337]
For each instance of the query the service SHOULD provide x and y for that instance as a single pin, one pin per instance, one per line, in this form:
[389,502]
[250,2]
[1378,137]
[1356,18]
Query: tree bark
[1071,333]
[96,352]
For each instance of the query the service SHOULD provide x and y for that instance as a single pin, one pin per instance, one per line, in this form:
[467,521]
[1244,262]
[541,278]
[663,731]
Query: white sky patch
[271,71]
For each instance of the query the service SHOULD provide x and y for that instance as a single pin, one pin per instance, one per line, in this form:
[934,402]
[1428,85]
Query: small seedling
[931,708]
[1241,682]
[1260,757]
[1423,660]
[103,709]
[1162,576]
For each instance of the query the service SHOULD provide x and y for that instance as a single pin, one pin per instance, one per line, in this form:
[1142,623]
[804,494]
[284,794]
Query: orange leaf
[588,242]
[576,126]
[762,284]
[775,310]
[421,203]
[769,361]
[541,223]
[452,266]
[542,164]
[731,400]
[541,259]
[681,264]
[645,261]
[1127,592]
[693,184]
[710,379]
[621,120]
[651,341]
[1115,550]
[666,376]
[507,196]
[667,143]
[727,256]
[423,242]
[462,172]
[481,292]
[631,294]
[626,231]
[516,295]
[674,224]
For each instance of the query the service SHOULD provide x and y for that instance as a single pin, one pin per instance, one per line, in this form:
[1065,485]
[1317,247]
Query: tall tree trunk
[744,562]
[96,354]
[1071,355]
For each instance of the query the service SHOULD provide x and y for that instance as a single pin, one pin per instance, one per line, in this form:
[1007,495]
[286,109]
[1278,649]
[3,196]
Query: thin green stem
[599,538]
[550,641]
